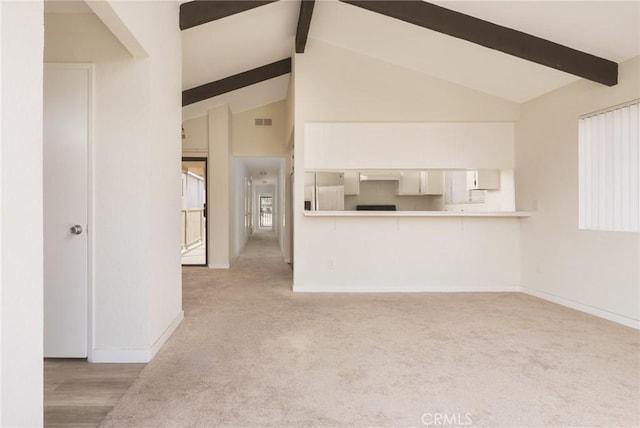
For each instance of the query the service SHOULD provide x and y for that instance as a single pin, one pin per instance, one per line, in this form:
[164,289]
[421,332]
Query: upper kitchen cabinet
[421,183]
[483,179]
[409,183]
[432,182]
[351,183]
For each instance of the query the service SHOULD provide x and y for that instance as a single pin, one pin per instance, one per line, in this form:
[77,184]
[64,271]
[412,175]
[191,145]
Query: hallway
[250,352]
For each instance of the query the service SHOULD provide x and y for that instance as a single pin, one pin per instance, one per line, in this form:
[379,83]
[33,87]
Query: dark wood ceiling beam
[304,23]
[237,81]
[493,36]
[200,12]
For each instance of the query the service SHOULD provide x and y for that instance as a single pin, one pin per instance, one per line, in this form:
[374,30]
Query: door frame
[90,68]
[206,209]
[260,196]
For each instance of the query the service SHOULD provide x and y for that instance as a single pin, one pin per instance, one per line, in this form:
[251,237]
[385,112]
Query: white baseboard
[406,289]
[620,319]
[591,310]
[220,266]
[135,355]
[120,356]
[166,335]
[287,259]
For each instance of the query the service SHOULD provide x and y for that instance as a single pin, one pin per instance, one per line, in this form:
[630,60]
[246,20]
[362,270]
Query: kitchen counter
[417,214]
[390,251]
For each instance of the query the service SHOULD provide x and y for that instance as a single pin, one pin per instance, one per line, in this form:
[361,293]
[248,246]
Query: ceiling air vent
[263,122]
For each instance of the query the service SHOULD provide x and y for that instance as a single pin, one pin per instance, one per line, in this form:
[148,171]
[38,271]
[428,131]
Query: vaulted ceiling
[235,44]
[265,34]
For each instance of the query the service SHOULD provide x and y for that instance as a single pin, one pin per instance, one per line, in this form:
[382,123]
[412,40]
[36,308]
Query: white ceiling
[475,66]
[256,166]
[247,98]
[238,43]
[609,29]
[263,35]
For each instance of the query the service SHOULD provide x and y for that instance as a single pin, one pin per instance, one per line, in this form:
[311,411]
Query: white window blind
[609,169]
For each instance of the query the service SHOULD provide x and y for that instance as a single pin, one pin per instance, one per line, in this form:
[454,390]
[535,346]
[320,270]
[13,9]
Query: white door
[67,95]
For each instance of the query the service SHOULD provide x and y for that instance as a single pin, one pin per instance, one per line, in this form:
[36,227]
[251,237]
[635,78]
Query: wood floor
[80,394]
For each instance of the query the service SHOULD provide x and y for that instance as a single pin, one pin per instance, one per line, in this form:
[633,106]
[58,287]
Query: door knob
[76,230]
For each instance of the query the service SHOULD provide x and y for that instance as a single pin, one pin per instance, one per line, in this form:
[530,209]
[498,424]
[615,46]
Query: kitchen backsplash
[384,193]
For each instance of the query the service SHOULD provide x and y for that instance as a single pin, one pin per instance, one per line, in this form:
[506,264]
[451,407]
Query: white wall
[162,39]
[287,222]
[220,196]
[592,270]
[1,242]
[248,140]
[196,143]
[239,234]
[284,199]
[21,245]
[290,109]
[220,136]
[264,141]
[341,85]
[137,281]
[337,85]
[398,145]
[260,141]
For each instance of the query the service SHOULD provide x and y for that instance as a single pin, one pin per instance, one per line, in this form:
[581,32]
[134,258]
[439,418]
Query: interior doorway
[260,201]
[68,92]
[194,212]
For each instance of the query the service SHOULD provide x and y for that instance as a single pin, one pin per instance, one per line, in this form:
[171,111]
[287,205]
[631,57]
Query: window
[609,169]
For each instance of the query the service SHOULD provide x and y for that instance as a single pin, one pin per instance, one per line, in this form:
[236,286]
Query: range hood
[380,176]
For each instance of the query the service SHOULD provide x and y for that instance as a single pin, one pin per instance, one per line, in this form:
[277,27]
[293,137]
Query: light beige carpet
[252,353]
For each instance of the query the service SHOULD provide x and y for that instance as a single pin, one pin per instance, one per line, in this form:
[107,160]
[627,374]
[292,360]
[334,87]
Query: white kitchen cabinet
[351,183]
[432,182]
[421,183]
[409,183]
[483,179]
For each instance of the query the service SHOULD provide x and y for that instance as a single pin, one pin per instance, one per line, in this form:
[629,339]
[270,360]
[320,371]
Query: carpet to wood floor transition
[250,352]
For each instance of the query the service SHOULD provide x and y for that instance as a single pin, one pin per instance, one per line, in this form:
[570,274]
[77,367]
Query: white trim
[120,356]
[287,260]
[406,288]
[91,214]
[219,266]
[591,310]
[193,246]
[166,335]
[194,153]
[41,187]
[135,355]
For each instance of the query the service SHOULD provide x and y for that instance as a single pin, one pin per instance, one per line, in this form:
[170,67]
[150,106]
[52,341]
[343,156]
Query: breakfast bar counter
[417,213]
